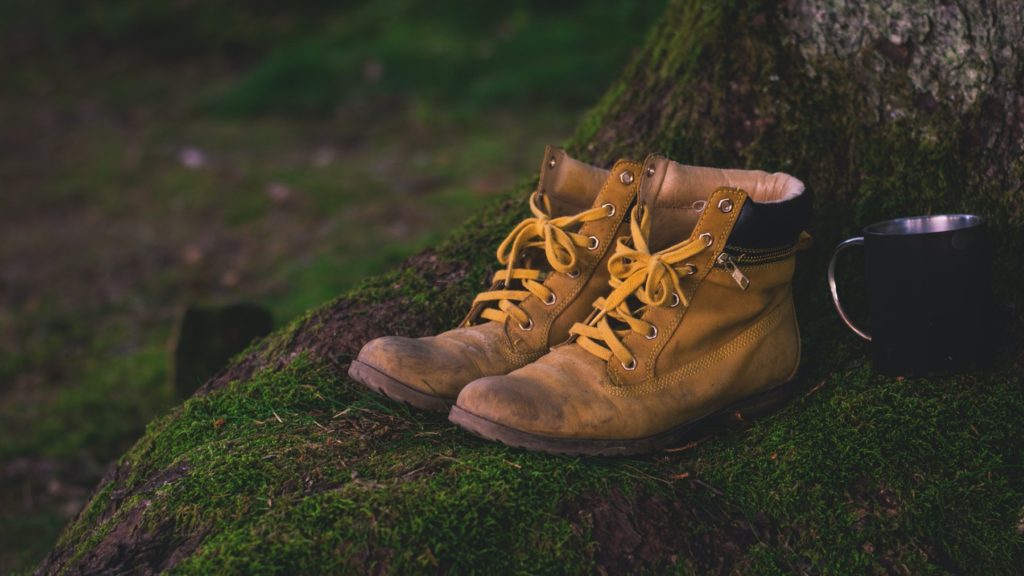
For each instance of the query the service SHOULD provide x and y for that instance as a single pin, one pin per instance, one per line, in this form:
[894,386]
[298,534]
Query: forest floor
[271,155]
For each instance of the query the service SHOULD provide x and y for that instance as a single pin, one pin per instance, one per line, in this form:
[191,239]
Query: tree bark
[884,110]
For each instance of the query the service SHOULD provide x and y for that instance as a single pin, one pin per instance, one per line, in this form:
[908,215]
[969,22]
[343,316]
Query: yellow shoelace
[559,245]
[653,279]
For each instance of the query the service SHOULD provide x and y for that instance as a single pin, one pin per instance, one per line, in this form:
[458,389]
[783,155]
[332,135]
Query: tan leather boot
[699,323]
[555,266]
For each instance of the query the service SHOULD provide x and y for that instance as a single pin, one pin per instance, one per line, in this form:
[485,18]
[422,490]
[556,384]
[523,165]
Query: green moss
[298,470]
[467,513]
[312,470]
[924,472]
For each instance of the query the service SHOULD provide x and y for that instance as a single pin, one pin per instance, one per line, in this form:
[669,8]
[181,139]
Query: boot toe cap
[413,363]
[515,402]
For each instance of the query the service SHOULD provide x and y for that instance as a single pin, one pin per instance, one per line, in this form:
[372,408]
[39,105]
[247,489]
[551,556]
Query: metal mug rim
[926,224]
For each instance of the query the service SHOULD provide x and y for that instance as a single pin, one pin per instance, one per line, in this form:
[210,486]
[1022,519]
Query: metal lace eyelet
[551,162]
[529,325]
[675,300]
[594,243]
[631,365]
[725,205]
[651,170]
[652,333]
[574,273]
[700,205]
[550,299]
[610,208]
[707,238]
[626,177]
[691,269]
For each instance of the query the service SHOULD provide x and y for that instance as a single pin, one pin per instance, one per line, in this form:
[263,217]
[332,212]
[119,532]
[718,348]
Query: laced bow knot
[542,231]
[660,277]
[650,277]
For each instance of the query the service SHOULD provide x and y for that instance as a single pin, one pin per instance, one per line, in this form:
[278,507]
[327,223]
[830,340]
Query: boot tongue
[677,194]
[571,185]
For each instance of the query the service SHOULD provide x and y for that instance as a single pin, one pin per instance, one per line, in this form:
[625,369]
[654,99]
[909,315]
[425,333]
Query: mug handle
[851,243]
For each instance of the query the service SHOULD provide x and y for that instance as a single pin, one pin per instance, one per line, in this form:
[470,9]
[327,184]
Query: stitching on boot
[675,377]
[659,344]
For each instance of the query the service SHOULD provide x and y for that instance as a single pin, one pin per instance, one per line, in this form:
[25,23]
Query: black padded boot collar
[771,224]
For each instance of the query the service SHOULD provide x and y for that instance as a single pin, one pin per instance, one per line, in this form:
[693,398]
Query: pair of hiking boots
[633,305]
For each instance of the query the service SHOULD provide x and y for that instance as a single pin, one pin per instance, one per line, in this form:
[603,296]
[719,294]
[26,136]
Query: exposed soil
[650,533]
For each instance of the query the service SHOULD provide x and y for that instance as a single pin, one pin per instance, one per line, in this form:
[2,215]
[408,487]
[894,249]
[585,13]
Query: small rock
[372,70]
[323,156]
[278,192]
[192,254]
[230,278]
[192,158]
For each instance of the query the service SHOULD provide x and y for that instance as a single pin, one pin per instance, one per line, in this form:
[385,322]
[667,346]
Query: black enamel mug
[928,293]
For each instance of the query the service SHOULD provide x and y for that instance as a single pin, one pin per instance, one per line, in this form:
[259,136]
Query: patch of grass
[161,30]
[456,54]
[27,538]
[97,418]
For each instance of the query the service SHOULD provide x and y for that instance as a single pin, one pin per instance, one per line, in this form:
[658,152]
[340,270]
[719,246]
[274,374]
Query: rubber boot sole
[387,386]
[751,407]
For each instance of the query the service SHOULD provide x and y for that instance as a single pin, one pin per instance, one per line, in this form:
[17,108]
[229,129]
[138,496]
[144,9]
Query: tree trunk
[281,463]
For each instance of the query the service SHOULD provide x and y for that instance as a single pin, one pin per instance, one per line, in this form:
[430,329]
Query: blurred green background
[171,152]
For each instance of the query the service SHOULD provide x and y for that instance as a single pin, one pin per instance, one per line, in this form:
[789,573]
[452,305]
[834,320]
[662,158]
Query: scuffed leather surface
[727,344]
[442,365]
